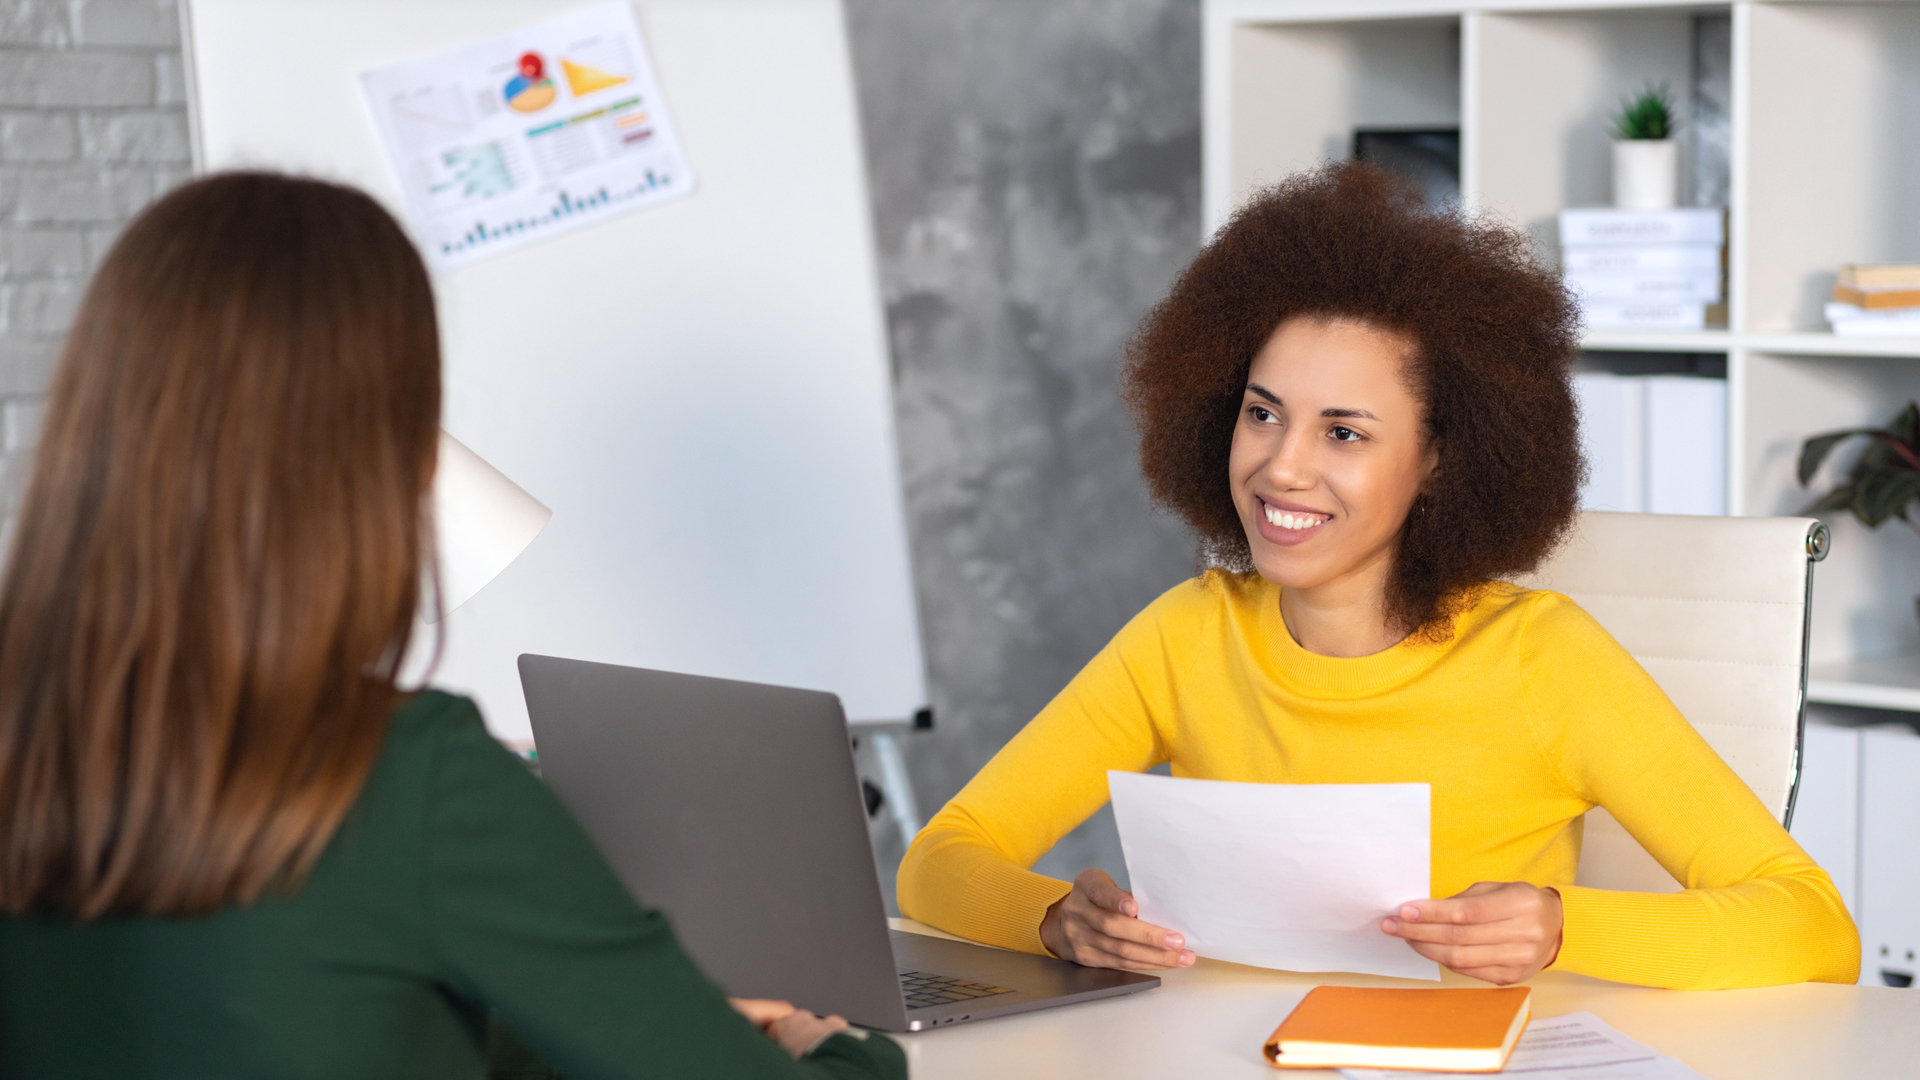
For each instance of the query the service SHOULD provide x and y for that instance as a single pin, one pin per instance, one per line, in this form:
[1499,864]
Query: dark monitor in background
[1430,157]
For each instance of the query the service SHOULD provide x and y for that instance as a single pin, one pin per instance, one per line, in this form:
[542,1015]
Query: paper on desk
[1292,876]
[1577,1046]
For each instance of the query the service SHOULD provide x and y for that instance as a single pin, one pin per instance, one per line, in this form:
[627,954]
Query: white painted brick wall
[93,126]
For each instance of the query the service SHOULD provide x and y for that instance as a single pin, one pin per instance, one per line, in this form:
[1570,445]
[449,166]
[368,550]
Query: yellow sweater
[1529,717]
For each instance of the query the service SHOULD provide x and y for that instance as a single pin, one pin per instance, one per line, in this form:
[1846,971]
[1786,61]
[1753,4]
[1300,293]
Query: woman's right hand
[1097,925]
[796,1030]
[800,1031]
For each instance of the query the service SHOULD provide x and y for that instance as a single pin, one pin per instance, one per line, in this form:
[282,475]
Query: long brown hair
[214,575]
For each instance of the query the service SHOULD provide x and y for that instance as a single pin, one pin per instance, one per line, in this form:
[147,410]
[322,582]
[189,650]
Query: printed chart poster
[528,134]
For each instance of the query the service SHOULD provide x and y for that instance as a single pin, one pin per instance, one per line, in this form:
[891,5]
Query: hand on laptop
[1097,925]
[796,1030]
[761,1011]
[800,1033]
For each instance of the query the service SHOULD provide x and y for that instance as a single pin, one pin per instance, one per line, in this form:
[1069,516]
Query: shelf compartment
[1805,343]
[1863,593]
[1297,90]
[1541,91]
[1886,683]
[1680,341]
[1830,344]
[1828,148]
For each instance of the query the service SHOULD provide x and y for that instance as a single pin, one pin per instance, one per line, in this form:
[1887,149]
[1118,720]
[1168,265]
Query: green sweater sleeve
[528,918]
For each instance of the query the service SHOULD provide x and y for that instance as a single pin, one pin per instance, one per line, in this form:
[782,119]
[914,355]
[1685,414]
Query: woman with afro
[1362,408]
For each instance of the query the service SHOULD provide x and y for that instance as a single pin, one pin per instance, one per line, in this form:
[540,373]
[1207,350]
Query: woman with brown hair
[230,844]
[1362,408]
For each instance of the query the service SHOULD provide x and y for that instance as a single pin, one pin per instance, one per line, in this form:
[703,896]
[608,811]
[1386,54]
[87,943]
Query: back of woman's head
[214,574]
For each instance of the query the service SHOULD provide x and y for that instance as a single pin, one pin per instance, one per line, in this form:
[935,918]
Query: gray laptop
[735,808]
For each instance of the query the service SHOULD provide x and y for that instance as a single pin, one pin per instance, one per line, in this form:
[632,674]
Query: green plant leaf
[1883,481]
[1878,456]
[1646,115]
[1906,426]
[1815,450]
[1840,498]
[1900,436]
[1881,494]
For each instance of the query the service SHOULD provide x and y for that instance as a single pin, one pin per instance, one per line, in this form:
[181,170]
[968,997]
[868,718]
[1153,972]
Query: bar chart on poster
[653,254]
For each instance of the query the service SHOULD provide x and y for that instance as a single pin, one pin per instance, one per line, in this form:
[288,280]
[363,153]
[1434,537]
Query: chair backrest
[1715,609]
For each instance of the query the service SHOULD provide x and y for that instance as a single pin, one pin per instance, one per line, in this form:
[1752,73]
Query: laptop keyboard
[922,990]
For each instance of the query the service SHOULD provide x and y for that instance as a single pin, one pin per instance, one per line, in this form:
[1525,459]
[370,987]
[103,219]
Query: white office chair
[1715,608]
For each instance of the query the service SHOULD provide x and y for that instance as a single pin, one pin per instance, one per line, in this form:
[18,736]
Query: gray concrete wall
[1036,186]
[1036,175]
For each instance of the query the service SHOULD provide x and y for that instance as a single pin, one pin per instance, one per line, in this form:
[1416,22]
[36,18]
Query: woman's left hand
[1503,932]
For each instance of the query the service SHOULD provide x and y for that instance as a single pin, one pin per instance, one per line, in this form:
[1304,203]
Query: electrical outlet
[1895,963]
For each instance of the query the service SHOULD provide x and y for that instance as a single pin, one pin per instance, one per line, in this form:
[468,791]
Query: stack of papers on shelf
[1876,301]
[1646,269]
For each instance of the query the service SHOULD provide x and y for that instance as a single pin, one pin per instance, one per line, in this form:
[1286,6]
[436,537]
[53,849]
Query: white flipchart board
[698,389]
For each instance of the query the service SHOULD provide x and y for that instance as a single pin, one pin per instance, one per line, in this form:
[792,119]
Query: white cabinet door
[1826,812]
[1889,911]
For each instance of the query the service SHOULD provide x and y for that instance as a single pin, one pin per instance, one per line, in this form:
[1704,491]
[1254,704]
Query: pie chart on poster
[530,90]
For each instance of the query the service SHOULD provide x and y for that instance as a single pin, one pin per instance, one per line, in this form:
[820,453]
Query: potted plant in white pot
[1646,159]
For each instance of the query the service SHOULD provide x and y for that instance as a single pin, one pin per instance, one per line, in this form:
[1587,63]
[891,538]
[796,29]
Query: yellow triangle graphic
[584,79]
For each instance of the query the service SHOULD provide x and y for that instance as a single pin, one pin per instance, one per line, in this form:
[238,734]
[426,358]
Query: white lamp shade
[482,522]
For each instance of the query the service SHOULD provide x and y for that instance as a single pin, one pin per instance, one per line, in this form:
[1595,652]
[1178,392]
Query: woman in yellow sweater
[1362,408]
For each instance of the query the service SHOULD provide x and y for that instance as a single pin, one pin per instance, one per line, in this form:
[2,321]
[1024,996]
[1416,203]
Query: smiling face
[1328,455]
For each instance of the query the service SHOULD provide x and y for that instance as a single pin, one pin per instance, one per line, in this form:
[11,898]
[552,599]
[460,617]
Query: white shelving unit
[1881,683]
[1824,168]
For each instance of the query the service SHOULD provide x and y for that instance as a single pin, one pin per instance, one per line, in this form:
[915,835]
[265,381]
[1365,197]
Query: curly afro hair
[1495,334]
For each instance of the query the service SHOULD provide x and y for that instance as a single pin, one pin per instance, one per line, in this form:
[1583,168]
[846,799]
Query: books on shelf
[1646,269]
[1604,225]
[1653,443]
[1876,297]
[1603,314]
[1703,287]
[1849,320]
[1875,301]
[1855,275]
[1642,258]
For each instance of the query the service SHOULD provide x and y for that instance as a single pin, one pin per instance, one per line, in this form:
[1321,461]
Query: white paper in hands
[1291,876]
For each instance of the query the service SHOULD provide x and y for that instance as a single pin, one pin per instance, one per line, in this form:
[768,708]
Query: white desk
[1210,1020]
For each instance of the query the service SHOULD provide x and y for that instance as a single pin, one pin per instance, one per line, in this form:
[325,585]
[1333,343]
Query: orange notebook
[1351,1027]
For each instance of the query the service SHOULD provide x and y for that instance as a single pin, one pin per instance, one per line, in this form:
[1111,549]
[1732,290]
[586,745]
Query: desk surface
[1210,1020]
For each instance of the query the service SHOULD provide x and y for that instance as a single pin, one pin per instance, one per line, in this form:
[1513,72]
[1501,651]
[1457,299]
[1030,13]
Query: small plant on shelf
[1646,115]
[1884,480]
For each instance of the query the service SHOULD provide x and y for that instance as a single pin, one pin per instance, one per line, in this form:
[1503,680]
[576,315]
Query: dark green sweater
[457,885]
